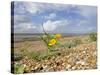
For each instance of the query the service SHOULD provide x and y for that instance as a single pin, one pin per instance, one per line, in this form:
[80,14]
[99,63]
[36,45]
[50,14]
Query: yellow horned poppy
[58,36]
[52,42]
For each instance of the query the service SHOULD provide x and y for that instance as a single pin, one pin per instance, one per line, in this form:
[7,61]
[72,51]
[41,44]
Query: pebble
[83,58]
[68,66]
[80,62]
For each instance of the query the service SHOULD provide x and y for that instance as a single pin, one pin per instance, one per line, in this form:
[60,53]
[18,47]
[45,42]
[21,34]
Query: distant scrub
[16,56]
[70,44]
[77,41]
[73,43]
[93,36]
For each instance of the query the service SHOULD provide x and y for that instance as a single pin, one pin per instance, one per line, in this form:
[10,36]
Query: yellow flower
[58,36]
[52,42]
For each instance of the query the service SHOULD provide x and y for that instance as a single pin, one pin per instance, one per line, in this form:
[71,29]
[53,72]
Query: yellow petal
[52,42]
[58,35]
[49,44]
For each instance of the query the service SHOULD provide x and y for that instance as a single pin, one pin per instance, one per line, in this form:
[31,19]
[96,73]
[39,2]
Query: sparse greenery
[34,55]
[93,36]
[18,68]
[16,56]
[77,41]
[41,56]
[44,60]
[73,43]
[70,44]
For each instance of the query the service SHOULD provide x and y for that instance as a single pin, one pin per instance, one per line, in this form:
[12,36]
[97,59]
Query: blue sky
[56,18]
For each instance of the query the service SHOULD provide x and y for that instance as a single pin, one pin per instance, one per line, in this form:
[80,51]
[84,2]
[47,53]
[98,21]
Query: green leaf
[51,36]
[18,68]
[58,43]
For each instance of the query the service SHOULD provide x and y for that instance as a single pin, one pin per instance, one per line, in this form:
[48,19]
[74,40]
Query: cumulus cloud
[87,11]
[52,25]
[26,7]
[23,24]
[83,22]
[34,8]
[51,16]
[27,17]
[21,19]
[24,27]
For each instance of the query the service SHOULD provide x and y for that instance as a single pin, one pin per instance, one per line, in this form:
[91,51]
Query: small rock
[73,68]
[68,66]
[80,62]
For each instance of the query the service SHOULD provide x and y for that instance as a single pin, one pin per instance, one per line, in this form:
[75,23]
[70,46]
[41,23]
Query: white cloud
[23,7]
[87,11]
[20,19]
[24,27]
[32,7]
[51,16]
[61,7]
[27,26]
[52,25]
[18,7]
[24,24]
[83,22]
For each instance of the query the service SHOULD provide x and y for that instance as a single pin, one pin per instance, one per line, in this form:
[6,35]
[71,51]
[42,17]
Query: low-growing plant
[51,40]
[52,43]
[73,43]
[43,55]
[93,36]
[70,44]
[34,55]
[77,41]
[18,68]
[16,56]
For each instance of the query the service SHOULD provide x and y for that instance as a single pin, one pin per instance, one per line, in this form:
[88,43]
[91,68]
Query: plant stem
[46,42]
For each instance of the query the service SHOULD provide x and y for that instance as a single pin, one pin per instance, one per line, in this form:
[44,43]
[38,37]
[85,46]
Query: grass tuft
[93,36]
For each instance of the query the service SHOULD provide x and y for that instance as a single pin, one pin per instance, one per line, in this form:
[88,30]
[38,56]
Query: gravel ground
[81,57]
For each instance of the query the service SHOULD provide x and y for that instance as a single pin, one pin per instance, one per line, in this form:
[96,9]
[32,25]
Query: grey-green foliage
[93,36]
[37,55]
[77,41]
[16,56]
[34,55]
[18,68]
[73,43]
[43,55]
[70,44]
